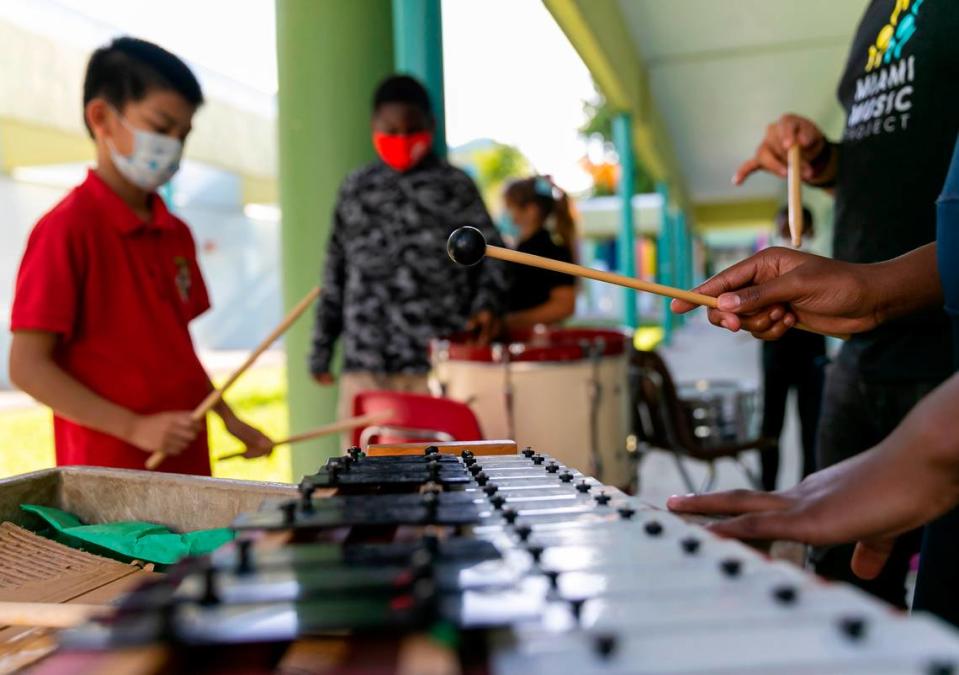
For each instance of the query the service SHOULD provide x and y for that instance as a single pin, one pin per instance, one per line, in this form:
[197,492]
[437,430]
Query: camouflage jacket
[389,286]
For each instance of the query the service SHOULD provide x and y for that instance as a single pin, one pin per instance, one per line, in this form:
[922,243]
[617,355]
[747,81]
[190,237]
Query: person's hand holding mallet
[794,195]
[467,246]
[214,397]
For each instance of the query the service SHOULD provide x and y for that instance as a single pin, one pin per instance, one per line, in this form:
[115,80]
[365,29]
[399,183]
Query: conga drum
[562,391]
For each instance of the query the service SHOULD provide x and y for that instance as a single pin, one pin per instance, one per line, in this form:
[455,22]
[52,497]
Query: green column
[330,55]
[665,270]
[626,243]
[418,51]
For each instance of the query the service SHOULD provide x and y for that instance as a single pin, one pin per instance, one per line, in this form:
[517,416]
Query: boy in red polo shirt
[109,282]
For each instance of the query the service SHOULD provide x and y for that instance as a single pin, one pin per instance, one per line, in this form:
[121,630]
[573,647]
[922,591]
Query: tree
[491,165]
[599,123]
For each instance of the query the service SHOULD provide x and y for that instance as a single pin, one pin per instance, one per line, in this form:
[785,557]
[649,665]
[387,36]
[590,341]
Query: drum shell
[551,407]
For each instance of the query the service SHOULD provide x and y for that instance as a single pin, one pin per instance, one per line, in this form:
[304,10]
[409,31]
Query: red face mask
[402,151]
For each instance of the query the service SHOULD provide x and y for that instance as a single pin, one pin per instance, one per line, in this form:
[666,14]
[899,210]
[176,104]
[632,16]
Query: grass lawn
[259,397]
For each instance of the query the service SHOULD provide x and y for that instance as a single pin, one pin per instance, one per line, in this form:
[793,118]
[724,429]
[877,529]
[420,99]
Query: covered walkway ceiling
[703,78]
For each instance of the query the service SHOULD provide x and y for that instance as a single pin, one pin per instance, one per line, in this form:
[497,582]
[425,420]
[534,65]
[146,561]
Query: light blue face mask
[507,226]
[154,160]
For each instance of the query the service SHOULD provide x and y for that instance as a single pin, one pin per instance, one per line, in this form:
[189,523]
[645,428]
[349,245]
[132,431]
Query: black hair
[128,68]
[808,226]
[402,89]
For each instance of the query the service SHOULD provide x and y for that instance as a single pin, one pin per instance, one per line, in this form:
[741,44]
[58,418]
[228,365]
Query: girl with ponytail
[541,214]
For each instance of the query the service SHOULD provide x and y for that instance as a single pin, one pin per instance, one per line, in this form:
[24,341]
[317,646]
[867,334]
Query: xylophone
[525,565]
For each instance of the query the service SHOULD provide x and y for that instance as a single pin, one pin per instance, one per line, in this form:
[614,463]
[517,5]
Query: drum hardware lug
[594,350]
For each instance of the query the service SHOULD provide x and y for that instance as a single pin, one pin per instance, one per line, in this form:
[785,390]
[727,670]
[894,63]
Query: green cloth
[134,540]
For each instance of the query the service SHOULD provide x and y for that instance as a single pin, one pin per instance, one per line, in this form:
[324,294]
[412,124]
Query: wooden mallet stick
[216,395]
[326,430]
[49,614]
[794,185]
[467,246]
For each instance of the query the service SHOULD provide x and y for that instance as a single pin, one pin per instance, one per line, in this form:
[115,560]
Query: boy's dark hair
[782,222]
[402,89]
[127,69]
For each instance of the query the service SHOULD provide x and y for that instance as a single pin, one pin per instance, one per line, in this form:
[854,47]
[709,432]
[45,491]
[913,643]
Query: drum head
[557,344]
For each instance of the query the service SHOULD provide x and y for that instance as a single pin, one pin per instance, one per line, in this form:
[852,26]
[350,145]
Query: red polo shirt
[120,293]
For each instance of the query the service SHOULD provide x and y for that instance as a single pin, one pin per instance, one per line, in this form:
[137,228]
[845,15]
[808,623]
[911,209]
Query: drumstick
[48,614]
[794,183]
[216,395]
[467,246]
[326,430]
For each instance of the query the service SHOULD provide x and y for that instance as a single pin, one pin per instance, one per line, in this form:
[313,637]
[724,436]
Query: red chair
[415,418]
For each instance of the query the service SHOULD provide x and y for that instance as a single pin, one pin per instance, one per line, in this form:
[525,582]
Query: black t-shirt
[531,286]
[902,106]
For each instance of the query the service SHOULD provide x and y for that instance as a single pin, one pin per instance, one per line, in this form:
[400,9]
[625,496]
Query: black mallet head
[466,246]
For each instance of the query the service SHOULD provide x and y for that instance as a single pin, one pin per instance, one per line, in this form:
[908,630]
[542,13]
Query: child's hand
[168,432]
[257,443]
[484,325]
[906,481]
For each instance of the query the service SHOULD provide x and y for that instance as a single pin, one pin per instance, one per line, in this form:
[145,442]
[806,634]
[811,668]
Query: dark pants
[779,376]
[937,586]
[857,415]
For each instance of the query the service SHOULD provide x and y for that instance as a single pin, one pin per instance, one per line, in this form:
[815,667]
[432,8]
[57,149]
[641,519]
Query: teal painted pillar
[665,269]
[688,263]
[626,243]
[330,56]
[418,51]
[681,264]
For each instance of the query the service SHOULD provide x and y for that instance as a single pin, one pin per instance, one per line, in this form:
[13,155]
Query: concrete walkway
[700,350]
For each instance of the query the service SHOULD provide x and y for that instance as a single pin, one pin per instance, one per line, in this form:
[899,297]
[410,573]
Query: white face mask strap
[123,120]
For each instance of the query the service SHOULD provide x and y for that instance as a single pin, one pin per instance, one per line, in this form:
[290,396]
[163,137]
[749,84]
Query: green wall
[330,55]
